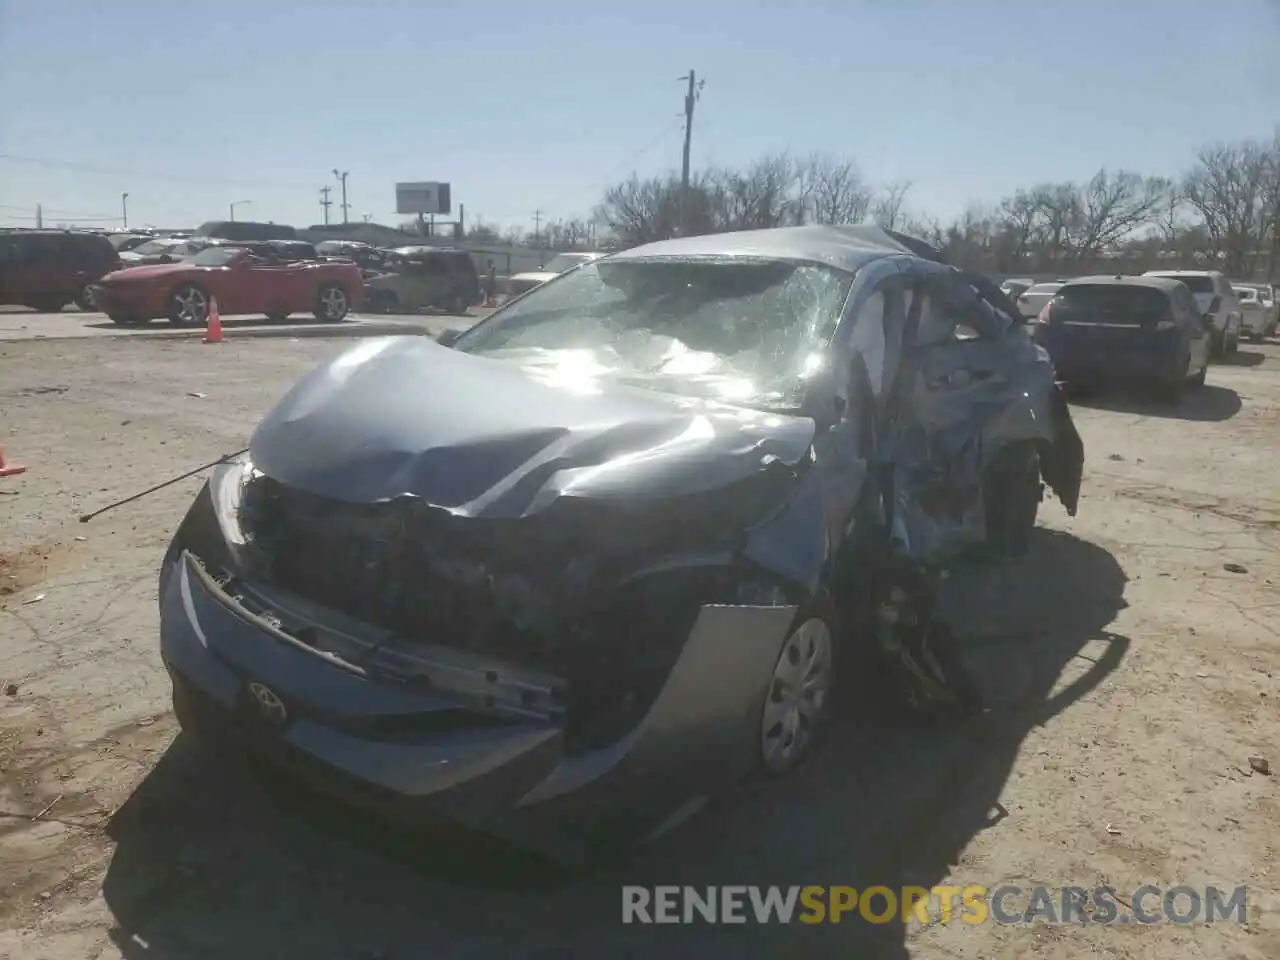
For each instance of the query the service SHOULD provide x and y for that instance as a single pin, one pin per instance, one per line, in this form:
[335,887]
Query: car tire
[457,306]
[332,304]
[188,306]
[1216,346]
[1170,392]
[1012,491]
[84,299]
[797,702]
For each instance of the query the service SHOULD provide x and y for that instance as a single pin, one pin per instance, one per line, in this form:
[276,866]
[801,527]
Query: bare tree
[513,236]
[831,191]
[640,211]
[760,197]
[1227,186]
[1109,209]
[887,209]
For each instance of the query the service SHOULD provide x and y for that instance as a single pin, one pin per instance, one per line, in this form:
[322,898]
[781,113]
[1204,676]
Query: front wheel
[84,299]
[331,304]
[797,702]
[188,306]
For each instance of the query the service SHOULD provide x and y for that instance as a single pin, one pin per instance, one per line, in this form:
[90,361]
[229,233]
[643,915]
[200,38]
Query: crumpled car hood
[405,416]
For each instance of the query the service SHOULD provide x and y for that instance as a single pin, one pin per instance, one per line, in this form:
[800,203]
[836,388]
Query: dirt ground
[1133,675]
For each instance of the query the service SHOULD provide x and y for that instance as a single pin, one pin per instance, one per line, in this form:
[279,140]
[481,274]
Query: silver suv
[1216,300]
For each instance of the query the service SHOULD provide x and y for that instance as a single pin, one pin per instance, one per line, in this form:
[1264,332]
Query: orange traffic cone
[213,331]
[10,469]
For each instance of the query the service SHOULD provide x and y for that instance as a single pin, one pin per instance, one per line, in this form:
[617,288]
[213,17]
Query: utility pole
[124,210]
[690,98]
[326,202]
[39,216]
[537,225]
[342,179]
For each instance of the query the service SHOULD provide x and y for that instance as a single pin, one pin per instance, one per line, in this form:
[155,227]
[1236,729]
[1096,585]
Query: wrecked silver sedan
[601,556]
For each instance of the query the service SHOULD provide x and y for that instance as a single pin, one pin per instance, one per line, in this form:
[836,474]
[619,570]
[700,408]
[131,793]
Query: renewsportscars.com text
[973,904]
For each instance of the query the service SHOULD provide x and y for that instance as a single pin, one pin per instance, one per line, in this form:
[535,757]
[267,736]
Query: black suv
[47,269]
[245,230]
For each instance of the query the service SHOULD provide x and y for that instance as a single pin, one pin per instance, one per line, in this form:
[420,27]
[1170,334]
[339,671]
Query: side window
[951,310]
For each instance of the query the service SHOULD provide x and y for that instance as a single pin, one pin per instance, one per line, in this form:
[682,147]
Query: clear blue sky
[526,106]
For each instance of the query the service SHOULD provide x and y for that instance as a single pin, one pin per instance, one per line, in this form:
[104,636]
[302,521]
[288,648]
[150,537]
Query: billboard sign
[428,197]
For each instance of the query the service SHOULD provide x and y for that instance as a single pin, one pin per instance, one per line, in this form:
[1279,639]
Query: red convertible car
[263,278]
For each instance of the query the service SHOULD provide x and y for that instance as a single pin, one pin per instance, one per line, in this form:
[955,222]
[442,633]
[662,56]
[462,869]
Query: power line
[145,174]
[666,131]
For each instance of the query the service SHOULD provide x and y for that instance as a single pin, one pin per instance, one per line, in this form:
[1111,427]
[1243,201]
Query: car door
[1230,304]
[266,287]
[1188,313]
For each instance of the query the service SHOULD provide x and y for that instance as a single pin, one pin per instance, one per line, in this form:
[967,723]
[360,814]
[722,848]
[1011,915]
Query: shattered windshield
[739,329]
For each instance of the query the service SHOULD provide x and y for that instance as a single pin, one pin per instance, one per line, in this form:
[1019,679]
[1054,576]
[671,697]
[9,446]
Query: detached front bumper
[419,752]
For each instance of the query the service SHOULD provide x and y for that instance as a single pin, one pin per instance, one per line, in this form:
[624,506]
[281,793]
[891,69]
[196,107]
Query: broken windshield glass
[757,321]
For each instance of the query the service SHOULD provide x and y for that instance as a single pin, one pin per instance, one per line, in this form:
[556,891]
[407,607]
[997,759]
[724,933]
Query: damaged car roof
[845,248]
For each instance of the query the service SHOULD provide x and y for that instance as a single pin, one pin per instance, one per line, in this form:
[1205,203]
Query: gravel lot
[1134,675]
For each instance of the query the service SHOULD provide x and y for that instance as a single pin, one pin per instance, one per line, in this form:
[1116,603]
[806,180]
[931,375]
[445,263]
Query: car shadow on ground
[1243,358]
[1210,403]
[212,860]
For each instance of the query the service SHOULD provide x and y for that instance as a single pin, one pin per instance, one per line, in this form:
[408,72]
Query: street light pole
[235,204]
[342,179]
[124,210]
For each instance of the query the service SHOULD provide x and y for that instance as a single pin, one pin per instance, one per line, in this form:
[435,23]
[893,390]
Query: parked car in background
[245,230]
[416,278]
[158,250]
[1216,299]
[275,279]
[604,555]
[366,255]
[1013,289]
[1110,329]
[1259,312]
[129,241]
[1032,300]
[47,269]
[557,265]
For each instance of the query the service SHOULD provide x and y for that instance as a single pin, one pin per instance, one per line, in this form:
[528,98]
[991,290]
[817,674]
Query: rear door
[1188,312]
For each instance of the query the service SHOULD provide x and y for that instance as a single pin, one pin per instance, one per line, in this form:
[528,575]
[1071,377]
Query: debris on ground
[1113,830]
[1114,456]
[36,599]
[10,689]
[1260,765]
[1235,568]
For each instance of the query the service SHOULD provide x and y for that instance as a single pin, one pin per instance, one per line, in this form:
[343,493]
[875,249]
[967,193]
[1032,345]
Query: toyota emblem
[268,704]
